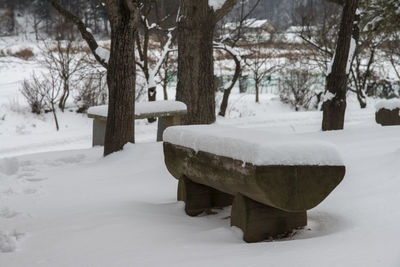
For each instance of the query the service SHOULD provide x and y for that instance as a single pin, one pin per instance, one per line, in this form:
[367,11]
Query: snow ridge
[253,146]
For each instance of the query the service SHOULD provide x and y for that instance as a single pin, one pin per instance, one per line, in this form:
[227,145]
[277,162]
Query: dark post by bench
[388,112]
[269,180]
[169,113]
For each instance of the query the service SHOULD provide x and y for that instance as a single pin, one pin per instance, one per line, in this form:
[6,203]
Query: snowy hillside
[63,204]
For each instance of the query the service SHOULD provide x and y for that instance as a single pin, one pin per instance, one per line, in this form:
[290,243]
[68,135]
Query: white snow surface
[216,4]
[62,204]
[352,49]
[389,104]
[253,146]
[144,108]
[328,96]
[103,53]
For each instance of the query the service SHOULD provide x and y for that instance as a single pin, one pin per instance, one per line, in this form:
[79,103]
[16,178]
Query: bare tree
[148,31]
[121,68]
[228,41]
[259,64]
[196,25]
[334,106]
[66,59]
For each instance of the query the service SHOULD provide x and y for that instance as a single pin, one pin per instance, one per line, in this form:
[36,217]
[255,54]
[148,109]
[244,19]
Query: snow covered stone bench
[169,113]
[388,112]
[271,179]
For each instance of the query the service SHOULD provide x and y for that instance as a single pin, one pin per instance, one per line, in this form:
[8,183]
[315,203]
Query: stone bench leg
[260,222]
[99,132]
[164,122]
[199,198]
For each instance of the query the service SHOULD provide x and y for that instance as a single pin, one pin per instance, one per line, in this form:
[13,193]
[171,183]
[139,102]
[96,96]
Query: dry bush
[297,89]
[25,54]
[92,92]
[34,94]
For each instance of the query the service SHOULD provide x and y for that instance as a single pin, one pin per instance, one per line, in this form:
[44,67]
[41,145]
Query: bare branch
[86,35]
[227,6]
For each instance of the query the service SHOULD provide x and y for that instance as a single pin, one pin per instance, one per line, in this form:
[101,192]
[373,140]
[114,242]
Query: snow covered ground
[69,206]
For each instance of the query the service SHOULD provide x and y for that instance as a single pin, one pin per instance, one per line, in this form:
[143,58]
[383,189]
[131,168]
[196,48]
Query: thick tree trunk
[121,78]
[121,68]
[195,62]
[336,82]
[195,58]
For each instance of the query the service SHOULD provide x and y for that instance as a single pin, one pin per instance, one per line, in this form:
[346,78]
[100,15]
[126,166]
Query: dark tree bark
[121,78]
[195,88]
[336,81]
[121,69]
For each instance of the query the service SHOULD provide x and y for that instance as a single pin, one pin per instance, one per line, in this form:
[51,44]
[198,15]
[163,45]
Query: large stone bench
[169,113]
[388,112]
[271,181]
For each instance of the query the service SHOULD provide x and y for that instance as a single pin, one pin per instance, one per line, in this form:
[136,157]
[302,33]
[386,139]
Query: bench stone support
[99,128]
[387,117]
[199,198]
[164,122]
[99,132]
[260,222]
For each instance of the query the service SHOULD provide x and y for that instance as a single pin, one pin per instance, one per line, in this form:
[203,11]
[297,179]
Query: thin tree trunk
[336,82]
[227,91]
[55,116]
[151,94]
[64,97]
[257,92]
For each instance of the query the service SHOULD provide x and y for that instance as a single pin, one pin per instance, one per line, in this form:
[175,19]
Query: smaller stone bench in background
[271,179]
[169,113]
[388,112]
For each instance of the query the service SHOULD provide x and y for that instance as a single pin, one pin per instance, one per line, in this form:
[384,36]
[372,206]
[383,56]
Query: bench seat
[168,112]
[266,175]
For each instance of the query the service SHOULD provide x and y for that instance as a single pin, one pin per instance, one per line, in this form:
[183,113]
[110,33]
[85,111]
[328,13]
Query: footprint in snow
[7,213]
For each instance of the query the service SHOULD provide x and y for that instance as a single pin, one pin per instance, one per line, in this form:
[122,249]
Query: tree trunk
[151,94]
[55,115]
[121,78]
[257,91]
[195,59]
[227,91]
[63,100]
[121,68]
[195,62]
[336,82]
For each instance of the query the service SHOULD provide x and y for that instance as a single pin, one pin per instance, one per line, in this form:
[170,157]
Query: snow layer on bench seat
[389,104]
[144,108]
[253,146]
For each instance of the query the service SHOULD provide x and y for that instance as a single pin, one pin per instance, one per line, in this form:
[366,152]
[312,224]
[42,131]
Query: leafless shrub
[66,61]
[42,93]
[33,92]
[297,88]
[92,92]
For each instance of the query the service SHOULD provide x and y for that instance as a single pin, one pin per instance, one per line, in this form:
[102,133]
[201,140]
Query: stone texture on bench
[169,113]
[388,112]
[269,199]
